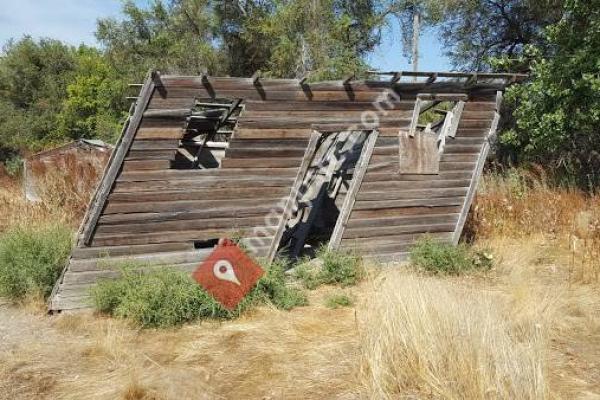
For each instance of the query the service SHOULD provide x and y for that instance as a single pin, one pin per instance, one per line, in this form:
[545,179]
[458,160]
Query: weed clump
[338,300]
[31,259]
[165,297]
[335,268]
[444,258]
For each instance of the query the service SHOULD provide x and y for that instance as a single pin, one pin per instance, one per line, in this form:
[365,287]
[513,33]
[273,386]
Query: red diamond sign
[228,274]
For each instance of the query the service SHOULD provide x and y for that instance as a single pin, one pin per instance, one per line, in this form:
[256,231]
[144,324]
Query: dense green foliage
[558,112]
[31,260]
[51,93]
[444,258]
[331,268]
[166,297]
[478,32]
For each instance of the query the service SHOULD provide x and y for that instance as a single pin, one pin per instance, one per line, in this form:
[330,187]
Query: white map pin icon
[223,270]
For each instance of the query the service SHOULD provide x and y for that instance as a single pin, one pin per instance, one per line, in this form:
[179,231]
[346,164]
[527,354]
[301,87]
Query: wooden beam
[432,78]
[116,161]
[456,114]
[359,172]
[476,174]
[396,78]
[287,209]
[446,74]
[415,118]
[255,77]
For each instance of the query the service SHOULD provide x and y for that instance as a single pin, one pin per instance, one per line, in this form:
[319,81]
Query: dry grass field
[527,329]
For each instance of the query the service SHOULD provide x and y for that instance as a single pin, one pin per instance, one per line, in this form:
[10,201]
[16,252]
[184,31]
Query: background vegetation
[51,92]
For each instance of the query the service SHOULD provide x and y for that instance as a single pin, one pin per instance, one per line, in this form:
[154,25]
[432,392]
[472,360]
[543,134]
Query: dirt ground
[308,353]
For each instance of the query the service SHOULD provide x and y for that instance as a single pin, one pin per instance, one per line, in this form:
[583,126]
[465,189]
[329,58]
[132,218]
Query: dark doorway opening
[323,196]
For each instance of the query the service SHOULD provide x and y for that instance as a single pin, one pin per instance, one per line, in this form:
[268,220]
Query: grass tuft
[336,268]
[338,300]
[31,259]
[444,258]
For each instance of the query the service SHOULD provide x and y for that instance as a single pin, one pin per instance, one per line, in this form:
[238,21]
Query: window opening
[208,130]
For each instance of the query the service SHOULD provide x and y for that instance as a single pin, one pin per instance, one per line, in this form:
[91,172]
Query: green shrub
[337,268]
[161,298]
[338,300]
[165,297]
[340,267]
[272,288]
[444,258]
[31,259]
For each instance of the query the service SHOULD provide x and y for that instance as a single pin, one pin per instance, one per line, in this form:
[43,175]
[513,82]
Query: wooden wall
[154,213]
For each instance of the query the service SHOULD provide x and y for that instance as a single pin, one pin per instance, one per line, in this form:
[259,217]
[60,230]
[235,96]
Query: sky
[74,21]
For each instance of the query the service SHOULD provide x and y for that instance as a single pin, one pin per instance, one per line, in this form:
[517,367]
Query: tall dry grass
[64,200]
[426,337]
[523,203]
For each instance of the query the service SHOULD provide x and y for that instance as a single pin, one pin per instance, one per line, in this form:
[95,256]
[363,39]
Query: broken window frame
[446,127]
[225,113]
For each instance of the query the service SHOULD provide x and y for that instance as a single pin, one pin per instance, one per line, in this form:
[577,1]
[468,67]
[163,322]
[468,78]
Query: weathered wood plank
[114,263]
[179,236]
[324,106]
[403,220]
[350,197]
[277,162]
[207,182]
[160,133]
[116,161]
[211,173]
[216,212]
[393,176]
[212,194]
[295,190]
[352,233]
[302,122]
[370,205]
[362,244]
[115,251]
[412,194]
[182,205]
[183,225]
[404,211]
[478,169]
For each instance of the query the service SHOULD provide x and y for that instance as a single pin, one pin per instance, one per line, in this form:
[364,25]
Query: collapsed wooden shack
[286,165]
[77,165]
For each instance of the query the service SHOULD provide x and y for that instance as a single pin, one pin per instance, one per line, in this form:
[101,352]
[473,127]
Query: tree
[329,38]
[558,111]
[33,81]
[178,37]
[279,37]
[477,31]
[95,103]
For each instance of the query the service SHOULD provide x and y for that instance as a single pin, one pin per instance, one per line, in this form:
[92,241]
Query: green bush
[338,300]
[444,258]
[338,268]
[159,299]
[165,297]
[31,259]
[272,288]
